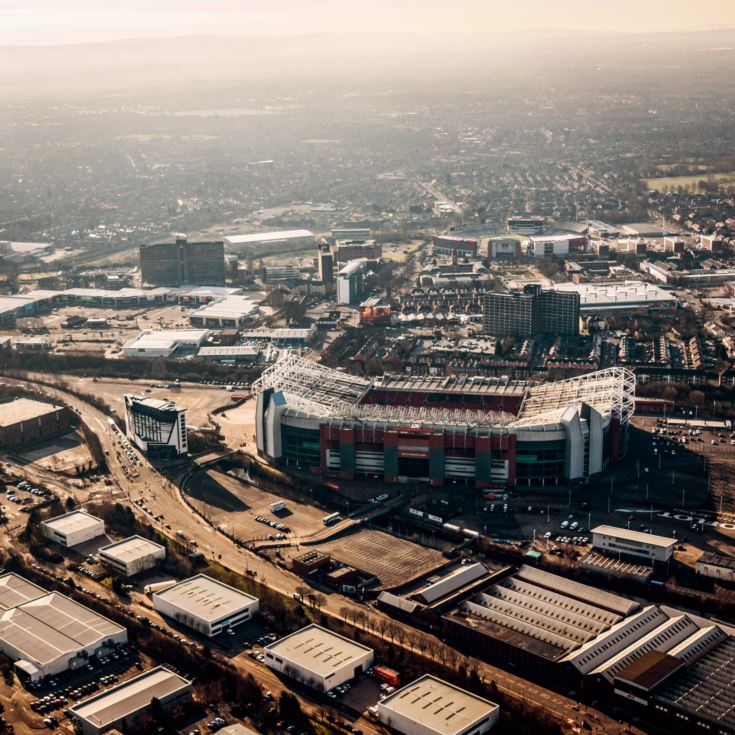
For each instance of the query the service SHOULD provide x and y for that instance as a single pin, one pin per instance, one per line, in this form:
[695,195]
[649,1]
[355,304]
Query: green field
[726,178]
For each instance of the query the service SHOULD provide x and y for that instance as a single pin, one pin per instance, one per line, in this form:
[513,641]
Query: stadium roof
[317,649]
[130,697]
[438,706]
[206,598]
[318,390]
[24,409]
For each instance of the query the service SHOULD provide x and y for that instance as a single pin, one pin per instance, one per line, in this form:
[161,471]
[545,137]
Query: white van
[565,524]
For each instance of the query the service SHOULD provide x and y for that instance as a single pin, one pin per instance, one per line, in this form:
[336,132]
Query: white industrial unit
[132,555]
[205,604]
[155,425]
[164,342]
[430,706]
[451,582]
[318,657]
[121,705]
[633,543]
[46,633]
[72,529]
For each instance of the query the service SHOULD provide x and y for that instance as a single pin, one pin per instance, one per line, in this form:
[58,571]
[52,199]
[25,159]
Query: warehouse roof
[256,237]
[77,520]
[130,549]
[617,295]
[637,536]
[51,626]
[650,669]
[130,697]
[15,590]
[166,339]
[230,307]
[206,598]
[317,649]
[438,706]
[24,409]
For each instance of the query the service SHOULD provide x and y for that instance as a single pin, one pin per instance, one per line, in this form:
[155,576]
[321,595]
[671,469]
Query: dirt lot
[62,454]
[235,504]
[198,400]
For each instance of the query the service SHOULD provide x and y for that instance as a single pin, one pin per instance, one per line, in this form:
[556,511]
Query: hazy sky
[71,21]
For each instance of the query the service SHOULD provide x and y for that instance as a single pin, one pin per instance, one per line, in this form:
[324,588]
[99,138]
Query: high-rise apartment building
[530,312]
[326,264]
[183,262]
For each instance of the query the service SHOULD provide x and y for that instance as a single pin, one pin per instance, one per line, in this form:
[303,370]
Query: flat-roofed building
[206,604]
[232,311]
[294,238]
[430,706]
[165,342]
[616,540]
[318,657]
[52,633]
[122,705]
[72,529]
[24,421]
[132,555]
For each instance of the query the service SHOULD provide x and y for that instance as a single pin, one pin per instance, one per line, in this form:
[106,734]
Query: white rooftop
[130,549]
[617,294]
[206,598]
[638,536]
[129,697]
[166,339]
[68,523]
[255,237]
[51,626]
[16,590]
[438,706]
[318,650]
[228,308]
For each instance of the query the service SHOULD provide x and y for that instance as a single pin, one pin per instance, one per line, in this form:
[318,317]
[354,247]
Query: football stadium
[490,431]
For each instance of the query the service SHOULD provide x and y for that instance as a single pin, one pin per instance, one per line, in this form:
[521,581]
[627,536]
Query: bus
[331,519]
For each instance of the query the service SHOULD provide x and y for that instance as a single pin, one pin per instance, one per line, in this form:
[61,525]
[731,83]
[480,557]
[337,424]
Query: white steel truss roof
[608,391]
[323,391]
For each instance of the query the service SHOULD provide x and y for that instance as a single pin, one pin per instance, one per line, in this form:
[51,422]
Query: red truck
[383,673]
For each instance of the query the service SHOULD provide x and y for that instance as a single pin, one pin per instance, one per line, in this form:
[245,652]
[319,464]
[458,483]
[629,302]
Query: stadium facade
[492,432]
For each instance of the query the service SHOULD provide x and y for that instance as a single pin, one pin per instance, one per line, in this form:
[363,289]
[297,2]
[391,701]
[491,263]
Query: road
[163,498]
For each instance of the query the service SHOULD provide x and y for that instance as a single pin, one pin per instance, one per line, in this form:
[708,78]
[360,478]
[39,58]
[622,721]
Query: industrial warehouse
[318,657]
[132,555]
[206,604]
[429,706]
[24,421]
[73,529]
[121,705]
[554,629]
[481,430]
[46,633]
